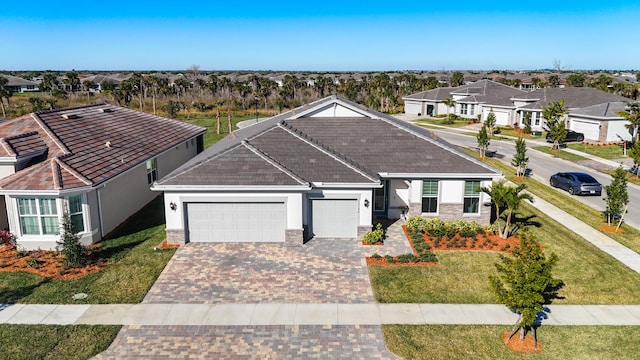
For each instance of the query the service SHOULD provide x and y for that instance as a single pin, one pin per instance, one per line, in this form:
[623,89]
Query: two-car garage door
[236,221]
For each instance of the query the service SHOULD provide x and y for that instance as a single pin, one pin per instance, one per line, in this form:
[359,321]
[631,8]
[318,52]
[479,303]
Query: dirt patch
[610,229]
[524,346]
[44,263]
[166,245]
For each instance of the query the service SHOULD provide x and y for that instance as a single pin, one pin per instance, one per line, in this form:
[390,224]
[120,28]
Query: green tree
[483,141]
[72,80]
[632,115]
[457,79]
[87,86]
[617,195]
[553,80]
[74,253]
[5,94]
[634,153]
[525,283]
[512,199]
[576,80]
[497,192]
[520,159]
[553,113]
[491,122]
[49,82]
[449,103]
[526,121]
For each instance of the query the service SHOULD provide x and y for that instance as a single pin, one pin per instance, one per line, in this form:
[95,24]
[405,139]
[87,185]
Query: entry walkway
[309,314]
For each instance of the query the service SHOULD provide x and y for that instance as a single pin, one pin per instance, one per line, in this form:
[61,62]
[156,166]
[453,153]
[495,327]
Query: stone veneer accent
[294,237]
[175,237]
[449,212]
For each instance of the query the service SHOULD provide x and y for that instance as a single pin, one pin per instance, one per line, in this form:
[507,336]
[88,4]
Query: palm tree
[497,193]
[449,103]
[633,116]
[513,197]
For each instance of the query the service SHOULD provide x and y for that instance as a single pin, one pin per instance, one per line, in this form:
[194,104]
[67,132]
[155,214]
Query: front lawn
[483,342]
[454,123]
[18,342]
[560,153]
[611,152]
[591,276]
[133,267]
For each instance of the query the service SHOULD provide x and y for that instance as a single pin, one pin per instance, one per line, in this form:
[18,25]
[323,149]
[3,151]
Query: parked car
[576,183]
[572,136]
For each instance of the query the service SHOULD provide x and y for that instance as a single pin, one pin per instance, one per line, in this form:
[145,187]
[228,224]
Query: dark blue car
[576,183]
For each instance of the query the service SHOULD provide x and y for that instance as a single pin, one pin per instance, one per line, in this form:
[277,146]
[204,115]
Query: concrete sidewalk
[309,314]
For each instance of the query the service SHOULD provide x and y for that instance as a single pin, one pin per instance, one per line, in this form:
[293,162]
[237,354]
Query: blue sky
[319,36]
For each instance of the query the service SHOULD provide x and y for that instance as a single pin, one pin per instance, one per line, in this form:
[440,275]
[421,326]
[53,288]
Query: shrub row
[438,228]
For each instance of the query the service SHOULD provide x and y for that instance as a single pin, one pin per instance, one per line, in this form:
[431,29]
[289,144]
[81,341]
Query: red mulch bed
[611,229]
[524,346]
[488,242]
[44,263]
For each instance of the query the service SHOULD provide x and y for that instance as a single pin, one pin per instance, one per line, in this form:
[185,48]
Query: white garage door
[502,118]
[236,222]
[591,131]
[334,218]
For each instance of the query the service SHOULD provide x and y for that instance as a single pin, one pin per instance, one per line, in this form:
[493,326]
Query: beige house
[95,162]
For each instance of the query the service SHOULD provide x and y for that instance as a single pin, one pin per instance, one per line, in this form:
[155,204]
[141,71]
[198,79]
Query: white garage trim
[236,221]
[334,218]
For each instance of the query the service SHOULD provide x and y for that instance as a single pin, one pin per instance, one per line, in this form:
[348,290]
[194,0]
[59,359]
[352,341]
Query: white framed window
[38,216]
[472,109]
[463,109]
[152,171]
[536,117]
[430,196]
[76,213]
[471,197]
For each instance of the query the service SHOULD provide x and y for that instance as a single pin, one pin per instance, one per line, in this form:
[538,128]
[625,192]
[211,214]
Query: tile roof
[574,97]
[437,94]
[326,149]
[87,145]
[483,91]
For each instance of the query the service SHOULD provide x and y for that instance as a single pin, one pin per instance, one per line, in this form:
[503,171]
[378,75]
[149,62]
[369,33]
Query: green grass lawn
[611,152]
[442,122]
[26,342]
[560,154]
[509,131]
[484,342]
[134,267]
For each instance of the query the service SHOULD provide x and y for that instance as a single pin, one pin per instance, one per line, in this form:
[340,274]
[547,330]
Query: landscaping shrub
[75,255]
[374,236]
[7,238]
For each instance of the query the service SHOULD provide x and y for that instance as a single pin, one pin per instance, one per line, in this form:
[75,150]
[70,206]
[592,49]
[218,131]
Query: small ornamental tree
[491,122]
[634,153]
[449,103]
[553,114]
[520,159]
[497,193]
[483,141]
[75,255]
[526,121]
[525,283]
[617,195]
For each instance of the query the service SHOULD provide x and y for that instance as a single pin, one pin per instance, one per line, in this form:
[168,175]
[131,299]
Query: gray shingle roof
[574,97]
[606,110]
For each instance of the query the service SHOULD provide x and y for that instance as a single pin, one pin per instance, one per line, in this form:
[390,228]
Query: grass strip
[560,153]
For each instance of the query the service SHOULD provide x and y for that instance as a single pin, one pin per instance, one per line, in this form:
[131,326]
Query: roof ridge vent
[70,116]
[105,110]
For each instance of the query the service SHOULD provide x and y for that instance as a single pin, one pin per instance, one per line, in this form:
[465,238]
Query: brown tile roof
[86,145]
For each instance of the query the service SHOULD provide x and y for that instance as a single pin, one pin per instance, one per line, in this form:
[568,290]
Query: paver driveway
[321,271]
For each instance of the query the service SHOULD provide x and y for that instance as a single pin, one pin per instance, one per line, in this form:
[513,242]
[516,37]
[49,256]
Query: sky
[319,35]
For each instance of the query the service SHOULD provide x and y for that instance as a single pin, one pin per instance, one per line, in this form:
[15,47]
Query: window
[380,198]
[463,109]
[430,196]
[152,171]
[536,117]
[38,216]
[75,212]
[471,197]
[472,109]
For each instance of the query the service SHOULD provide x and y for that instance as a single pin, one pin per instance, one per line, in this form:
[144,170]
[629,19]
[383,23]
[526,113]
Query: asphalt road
[543,166]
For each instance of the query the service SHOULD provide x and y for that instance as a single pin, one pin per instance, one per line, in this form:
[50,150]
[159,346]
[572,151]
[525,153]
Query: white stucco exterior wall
[451,191]
[398,197]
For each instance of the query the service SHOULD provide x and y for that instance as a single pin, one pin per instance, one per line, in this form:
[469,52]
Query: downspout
[100,225]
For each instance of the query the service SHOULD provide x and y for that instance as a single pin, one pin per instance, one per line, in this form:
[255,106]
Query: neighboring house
[601,123]
[323,170]
[101,80]
[95,162]
[20,85]
[478,98]
[574,98]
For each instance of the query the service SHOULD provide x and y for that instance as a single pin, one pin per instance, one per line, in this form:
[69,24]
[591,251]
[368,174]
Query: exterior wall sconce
[366,203]
[173,206]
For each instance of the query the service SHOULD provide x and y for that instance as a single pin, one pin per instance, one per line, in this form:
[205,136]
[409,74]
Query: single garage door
[334,218]
[590,130]
[236,222]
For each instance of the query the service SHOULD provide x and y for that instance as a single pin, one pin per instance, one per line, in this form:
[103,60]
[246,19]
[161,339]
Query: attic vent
[70,116]
[102,110]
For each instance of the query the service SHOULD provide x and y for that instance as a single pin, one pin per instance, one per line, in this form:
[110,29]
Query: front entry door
[381,199]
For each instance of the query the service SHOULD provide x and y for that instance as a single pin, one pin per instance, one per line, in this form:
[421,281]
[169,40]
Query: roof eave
[158,187]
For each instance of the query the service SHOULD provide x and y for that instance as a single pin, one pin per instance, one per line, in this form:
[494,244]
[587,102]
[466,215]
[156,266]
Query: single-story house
[94,162]
[574,98]
[601,123]
[323,170]
[477,98]
[19,85]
